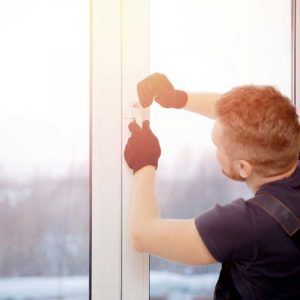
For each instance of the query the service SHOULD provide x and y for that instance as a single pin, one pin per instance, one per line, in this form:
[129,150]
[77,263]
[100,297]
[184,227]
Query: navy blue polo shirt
[265,262]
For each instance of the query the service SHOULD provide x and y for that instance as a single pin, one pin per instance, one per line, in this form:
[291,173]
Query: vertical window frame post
[135,66]
[296,53]
[119,59]
[106,152]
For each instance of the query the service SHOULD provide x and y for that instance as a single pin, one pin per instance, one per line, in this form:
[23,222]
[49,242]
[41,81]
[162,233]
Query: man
[257,135]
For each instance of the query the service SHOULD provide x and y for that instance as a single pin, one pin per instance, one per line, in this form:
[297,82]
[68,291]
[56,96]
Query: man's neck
[255,182]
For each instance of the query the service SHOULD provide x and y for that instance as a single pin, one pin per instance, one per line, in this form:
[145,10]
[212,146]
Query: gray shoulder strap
[280,212]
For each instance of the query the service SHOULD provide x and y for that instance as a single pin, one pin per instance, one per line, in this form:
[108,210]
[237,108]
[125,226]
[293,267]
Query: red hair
[260,126]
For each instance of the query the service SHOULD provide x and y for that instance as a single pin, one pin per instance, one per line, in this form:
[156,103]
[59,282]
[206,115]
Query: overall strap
[289,222]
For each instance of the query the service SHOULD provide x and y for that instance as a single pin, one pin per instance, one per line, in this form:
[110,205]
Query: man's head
[256,132]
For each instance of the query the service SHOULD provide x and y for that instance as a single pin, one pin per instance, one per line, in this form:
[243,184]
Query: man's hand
[158,87]
[142,148]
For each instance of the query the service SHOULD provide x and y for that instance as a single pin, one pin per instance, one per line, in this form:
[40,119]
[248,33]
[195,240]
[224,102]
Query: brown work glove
[142,148]
[158,87]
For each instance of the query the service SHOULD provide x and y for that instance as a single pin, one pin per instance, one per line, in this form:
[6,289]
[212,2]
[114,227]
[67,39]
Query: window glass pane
[206,46]
[44,155]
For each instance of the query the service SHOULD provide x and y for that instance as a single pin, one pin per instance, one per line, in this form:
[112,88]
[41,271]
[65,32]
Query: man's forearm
[202,103]
[144,209]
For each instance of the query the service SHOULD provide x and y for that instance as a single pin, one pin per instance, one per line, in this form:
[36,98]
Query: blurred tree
[44,226]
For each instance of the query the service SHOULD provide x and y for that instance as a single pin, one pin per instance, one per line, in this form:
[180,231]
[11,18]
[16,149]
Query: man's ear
[243,168]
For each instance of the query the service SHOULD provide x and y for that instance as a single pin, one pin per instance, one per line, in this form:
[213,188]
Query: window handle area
[135,111]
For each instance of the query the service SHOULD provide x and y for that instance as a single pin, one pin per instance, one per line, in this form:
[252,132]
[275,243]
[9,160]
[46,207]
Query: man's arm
[176,240]
[202,103]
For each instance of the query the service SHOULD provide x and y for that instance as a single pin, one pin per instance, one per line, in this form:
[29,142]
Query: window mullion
[106,148]
[135,66]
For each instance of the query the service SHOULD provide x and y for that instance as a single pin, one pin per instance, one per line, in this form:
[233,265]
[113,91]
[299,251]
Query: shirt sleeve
[227,231]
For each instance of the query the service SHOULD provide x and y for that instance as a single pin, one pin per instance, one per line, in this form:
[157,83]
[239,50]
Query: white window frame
[296,53]
[119,59]
[105,158]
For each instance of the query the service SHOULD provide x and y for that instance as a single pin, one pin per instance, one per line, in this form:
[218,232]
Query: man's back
[264,260]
